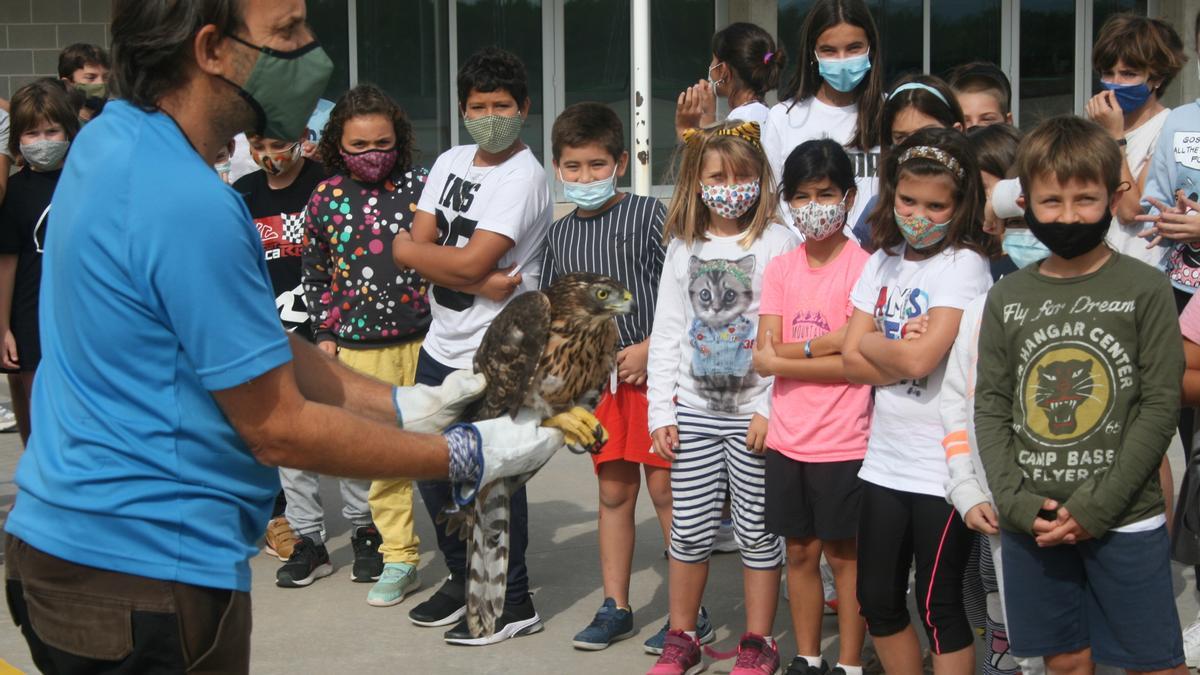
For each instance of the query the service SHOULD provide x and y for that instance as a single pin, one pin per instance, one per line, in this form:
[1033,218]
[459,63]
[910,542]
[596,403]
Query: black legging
[895,528]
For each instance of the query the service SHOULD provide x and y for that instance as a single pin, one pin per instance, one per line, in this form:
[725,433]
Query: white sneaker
[725,542]
[8,421]
[831,599]
[1191,643]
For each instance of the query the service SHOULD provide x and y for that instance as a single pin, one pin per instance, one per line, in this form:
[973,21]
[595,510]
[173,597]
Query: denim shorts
[1113,594]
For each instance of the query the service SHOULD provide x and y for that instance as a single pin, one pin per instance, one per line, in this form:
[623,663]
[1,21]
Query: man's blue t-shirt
[154,294]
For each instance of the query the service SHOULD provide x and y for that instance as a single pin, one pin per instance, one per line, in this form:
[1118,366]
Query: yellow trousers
[391,501]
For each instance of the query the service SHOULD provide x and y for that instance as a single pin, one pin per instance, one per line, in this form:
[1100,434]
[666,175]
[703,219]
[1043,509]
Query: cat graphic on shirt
[722,338]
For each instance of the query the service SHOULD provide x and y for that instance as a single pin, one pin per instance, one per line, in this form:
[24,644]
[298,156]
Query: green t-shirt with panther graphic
[1077,394]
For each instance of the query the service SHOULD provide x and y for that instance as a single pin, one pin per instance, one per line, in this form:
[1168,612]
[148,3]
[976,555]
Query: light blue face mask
[845,74]
[590,196]
[1023,248]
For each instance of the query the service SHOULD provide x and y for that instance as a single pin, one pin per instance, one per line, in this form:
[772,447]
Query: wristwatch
[808,349]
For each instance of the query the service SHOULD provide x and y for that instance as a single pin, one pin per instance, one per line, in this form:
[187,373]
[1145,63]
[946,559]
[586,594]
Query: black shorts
[812,499]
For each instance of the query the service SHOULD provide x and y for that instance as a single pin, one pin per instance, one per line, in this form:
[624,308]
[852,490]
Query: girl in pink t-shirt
[817,432]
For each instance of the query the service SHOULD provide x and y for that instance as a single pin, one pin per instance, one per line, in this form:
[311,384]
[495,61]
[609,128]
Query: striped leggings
[711,456]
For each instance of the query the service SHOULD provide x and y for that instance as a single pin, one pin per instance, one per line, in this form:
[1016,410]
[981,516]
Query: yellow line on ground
[7,669]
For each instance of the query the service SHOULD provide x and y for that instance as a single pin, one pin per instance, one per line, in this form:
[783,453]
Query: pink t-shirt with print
[814,422]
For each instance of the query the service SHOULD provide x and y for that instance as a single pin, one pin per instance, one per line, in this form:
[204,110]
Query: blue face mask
[845,74]
[590,196]
[1129,96]
[1023,248]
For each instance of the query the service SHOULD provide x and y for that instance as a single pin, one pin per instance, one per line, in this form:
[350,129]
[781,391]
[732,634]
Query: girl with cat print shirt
[708,408]
[930,262]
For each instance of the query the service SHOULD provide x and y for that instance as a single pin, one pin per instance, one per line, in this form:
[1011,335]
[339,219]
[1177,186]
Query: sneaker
[725,542]
[516,620]
[680,656]
[368,561]
[1191,644]
[309,561]
[608,626]
[8,421]
[446,607]
[799,666]
[704,633]
[396,581]
[755,656]
[279,540]
[828,586]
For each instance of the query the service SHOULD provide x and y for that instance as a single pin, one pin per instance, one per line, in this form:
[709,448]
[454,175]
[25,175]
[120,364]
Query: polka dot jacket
[355,292]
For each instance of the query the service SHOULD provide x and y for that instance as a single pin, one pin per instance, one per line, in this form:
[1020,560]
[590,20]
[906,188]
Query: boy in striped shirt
[620,235]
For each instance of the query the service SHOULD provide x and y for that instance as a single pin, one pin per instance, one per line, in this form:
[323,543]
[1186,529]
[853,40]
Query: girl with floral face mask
[817,433]
[931,260]
[708,407]
[43,125]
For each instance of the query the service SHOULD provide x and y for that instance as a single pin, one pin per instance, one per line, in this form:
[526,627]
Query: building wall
[1182,15]
[32,32]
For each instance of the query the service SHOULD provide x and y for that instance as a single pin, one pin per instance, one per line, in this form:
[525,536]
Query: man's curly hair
[365,99]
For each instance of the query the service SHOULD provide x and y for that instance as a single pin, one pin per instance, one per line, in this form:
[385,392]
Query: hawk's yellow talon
[579,427]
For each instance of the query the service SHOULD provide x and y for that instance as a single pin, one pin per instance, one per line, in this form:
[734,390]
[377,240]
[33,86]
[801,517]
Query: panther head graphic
[1062,387]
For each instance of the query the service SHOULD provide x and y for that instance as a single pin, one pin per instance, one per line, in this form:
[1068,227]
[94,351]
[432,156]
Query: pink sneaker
[680,656]
[755,656]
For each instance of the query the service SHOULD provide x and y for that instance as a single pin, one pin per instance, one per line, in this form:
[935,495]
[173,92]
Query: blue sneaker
[704,633]
[609,625]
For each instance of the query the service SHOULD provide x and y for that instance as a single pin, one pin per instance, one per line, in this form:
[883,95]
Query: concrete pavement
[329,628]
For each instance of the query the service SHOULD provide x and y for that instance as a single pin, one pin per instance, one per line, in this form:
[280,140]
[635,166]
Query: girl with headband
[930,262]
[916,102]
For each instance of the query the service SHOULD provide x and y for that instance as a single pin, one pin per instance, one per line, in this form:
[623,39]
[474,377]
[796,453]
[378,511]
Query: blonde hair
[688,219]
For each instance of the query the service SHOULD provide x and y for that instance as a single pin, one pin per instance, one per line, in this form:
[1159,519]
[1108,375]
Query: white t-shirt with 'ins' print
[511,199]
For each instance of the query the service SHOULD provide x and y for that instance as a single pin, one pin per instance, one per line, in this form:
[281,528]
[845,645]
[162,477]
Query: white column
[639,19]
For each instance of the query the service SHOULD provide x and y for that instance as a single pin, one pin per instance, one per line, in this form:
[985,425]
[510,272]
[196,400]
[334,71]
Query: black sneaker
[445,607]
[368,561]
[516,620]
[309,561]
[799,666]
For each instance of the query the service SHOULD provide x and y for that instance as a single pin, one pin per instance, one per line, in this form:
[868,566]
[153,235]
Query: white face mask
[819,221]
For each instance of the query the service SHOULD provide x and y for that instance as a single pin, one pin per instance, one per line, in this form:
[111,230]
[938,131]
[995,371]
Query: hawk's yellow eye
[602,294]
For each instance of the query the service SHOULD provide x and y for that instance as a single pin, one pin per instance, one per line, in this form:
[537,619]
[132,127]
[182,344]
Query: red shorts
[623,415]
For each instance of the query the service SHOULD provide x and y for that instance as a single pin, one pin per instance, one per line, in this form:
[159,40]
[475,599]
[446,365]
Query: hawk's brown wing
[509,353]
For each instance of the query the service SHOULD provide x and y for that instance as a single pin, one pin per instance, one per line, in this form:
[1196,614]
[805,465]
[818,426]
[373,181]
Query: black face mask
[1069,240]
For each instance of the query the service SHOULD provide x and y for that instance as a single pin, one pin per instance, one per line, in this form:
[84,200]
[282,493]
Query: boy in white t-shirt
[481,218]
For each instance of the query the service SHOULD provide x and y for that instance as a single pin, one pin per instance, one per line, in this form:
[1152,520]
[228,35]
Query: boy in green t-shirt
[1076,402]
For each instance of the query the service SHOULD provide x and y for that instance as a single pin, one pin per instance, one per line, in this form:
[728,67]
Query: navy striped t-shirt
[625,243]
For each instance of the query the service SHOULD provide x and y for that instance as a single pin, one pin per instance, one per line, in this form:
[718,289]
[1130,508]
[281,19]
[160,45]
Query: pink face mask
[372,165]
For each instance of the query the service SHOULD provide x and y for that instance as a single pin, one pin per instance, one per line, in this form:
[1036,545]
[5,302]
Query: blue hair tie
[919,85]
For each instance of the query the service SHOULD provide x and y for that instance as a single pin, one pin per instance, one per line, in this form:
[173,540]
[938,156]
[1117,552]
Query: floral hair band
[936,154]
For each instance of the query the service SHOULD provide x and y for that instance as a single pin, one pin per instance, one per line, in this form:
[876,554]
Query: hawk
[550,351]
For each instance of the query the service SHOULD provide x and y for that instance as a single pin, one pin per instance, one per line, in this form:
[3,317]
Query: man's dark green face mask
[283,87]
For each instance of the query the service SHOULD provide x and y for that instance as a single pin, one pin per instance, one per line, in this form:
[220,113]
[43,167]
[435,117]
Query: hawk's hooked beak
[624,305]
